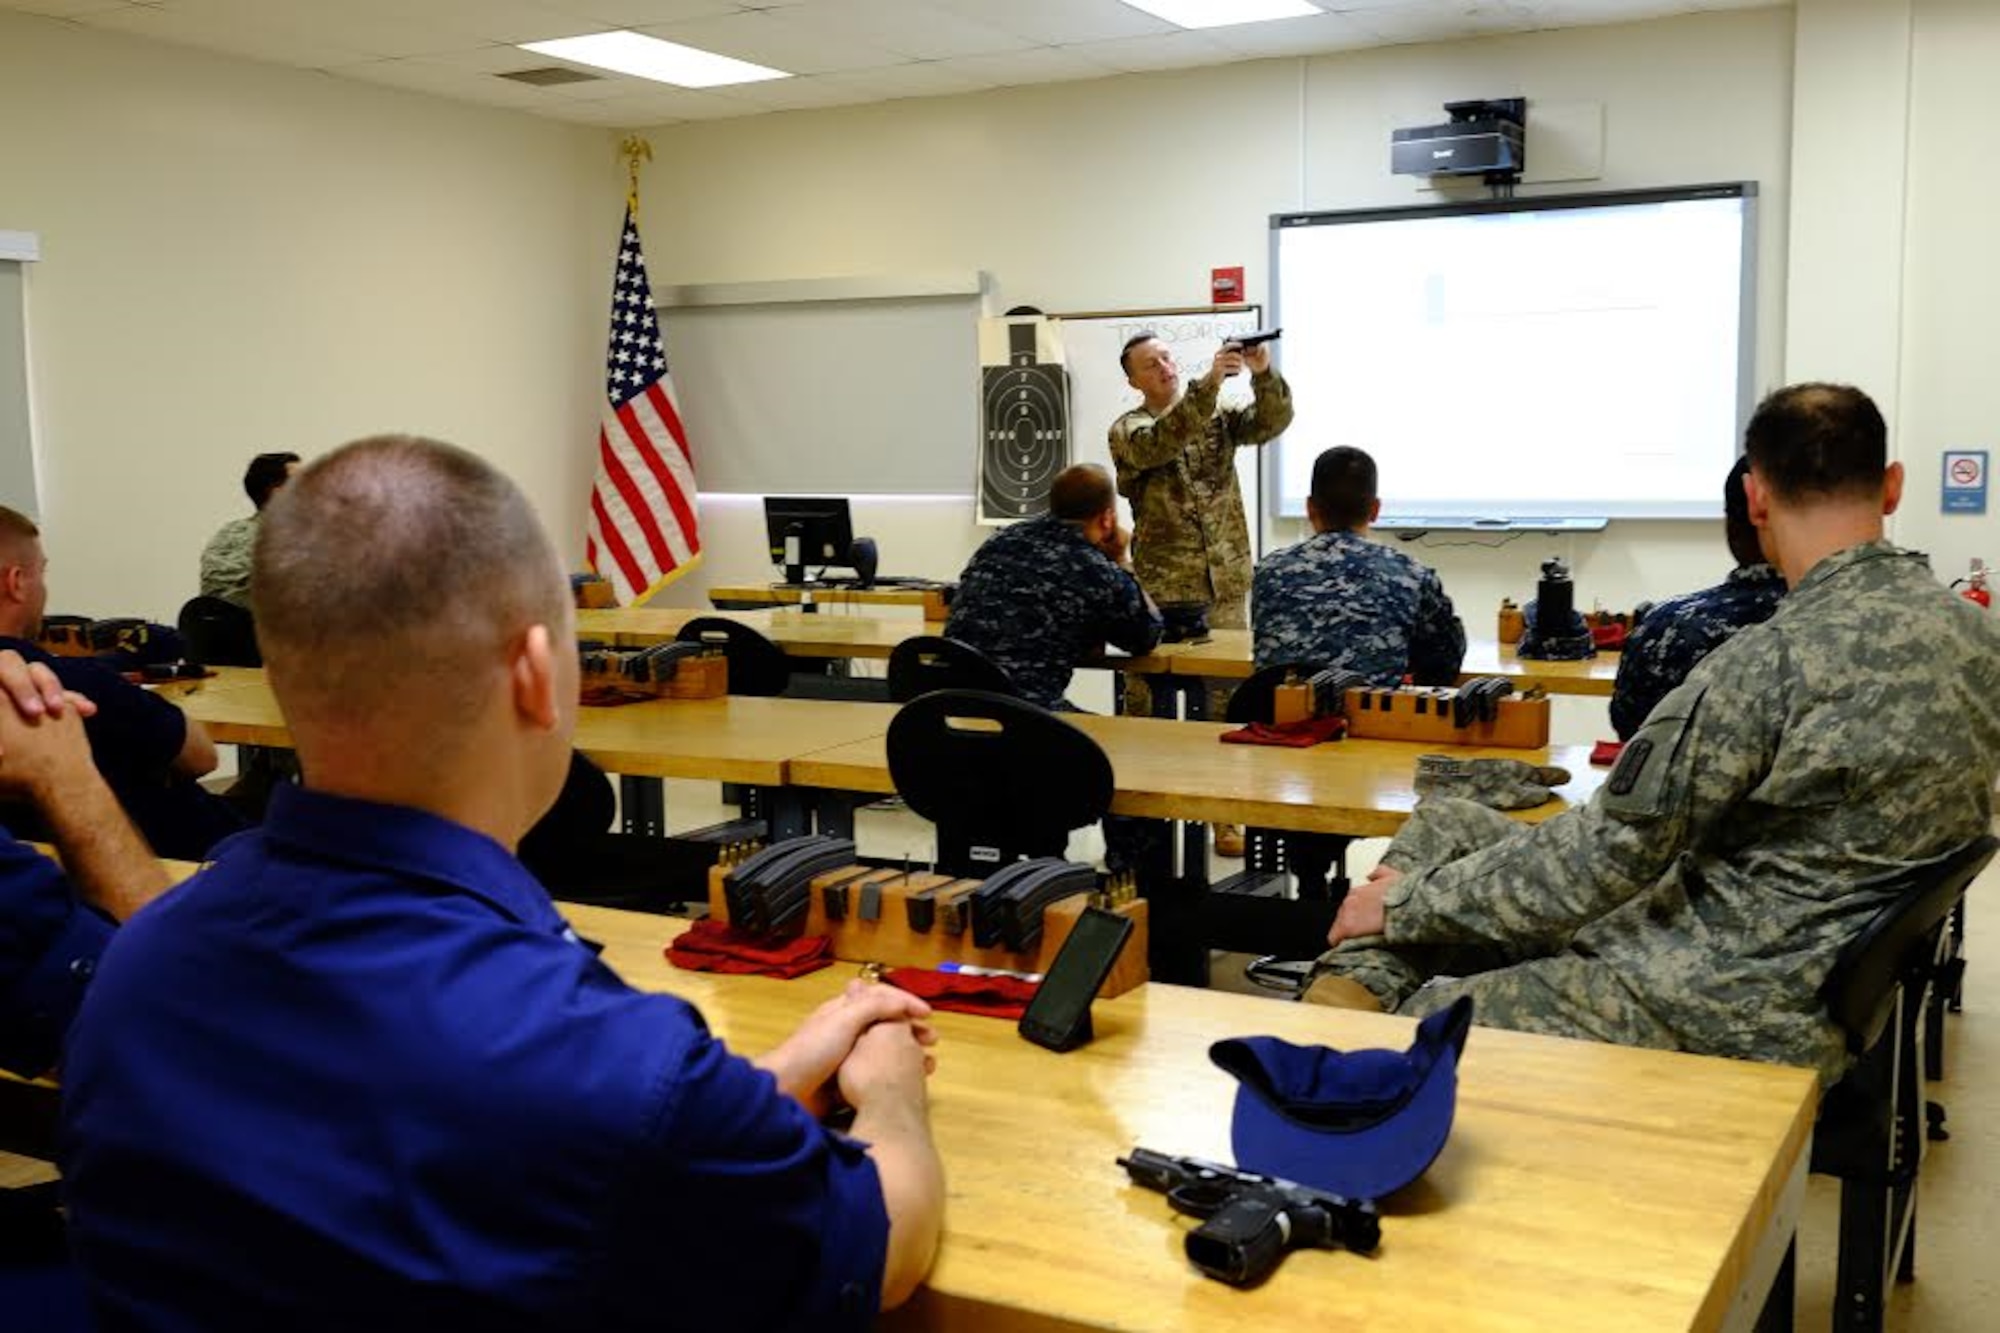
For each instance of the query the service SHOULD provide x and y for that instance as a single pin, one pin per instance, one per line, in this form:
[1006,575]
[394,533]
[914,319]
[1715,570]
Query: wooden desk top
[1179,770]
[1228,655]
[1585,1187]
[800,634]
[930,599]
[732,739]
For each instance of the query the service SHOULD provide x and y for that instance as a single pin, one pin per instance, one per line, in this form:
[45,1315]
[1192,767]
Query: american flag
[642,533]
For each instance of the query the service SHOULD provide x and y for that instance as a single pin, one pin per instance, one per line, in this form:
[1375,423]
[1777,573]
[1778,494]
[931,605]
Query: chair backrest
[1860,988]
[1251,701]
[930,662]
[219,633]
[1001,778]
[756,665]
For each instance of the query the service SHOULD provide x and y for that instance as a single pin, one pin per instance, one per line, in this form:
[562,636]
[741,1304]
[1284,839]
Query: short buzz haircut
[1737,528]
[16,526]
[1344,485]
[1081,493]
[1125,352]
[1818,441]
[391,568]
[266,473]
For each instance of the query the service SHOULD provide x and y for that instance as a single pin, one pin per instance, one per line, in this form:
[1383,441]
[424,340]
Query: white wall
[239,258]
[1124,193]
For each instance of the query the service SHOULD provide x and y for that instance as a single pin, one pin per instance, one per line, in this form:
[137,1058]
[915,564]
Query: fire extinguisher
[1973,585]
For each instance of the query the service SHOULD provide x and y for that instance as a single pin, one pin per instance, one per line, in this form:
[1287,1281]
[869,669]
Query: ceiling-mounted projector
[1482,138]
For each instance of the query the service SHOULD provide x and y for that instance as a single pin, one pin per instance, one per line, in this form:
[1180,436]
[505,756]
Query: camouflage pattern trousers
[1527,984]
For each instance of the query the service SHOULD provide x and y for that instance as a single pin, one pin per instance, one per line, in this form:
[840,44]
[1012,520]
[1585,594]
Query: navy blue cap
[1360,1124]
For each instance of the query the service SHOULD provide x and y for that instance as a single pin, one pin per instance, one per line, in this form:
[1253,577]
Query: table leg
[643,803]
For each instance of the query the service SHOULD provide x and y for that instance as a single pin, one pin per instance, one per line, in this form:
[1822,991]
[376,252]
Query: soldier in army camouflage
[1338,599]
[225,561]
[1045,593]
[1680,631]
[1698,901]
[1176,458]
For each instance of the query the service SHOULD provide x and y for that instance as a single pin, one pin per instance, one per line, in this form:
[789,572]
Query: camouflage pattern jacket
[1855,733]
[1680,631]
[1190,541]
[1038,598]
[225,562]
[1338,599]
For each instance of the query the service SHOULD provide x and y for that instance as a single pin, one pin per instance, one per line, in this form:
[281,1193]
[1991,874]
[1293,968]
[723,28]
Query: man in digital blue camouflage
[1340,599]
[1176,459]
[1045,593]
[1699,899]
[1680,631]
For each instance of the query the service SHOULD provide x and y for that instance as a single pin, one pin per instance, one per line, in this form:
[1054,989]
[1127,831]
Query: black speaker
[863,559]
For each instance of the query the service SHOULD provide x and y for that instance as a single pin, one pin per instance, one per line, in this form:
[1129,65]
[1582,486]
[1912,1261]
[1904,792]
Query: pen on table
[968,970]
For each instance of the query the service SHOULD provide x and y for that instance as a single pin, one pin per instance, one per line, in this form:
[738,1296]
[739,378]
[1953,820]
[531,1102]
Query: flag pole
[634,150]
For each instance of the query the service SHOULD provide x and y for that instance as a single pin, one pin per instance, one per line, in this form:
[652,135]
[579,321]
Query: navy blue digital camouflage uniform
[1679,632]
[1340,600]
[1038,598]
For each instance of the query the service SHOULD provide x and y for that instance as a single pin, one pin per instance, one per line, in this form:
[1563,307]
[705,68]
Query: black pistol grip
[1243,1242]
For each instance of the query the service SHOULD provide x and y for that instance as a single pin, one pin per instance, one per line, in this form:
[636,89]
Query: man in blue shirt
[149,751]
[1339,599]
[360,1074]
[1680,631]
[1043,594]
[55,920]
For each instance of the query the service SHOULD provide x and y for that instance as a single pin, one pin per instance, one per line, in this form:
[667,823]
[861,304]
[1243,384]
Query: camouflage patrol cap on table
[1502,784]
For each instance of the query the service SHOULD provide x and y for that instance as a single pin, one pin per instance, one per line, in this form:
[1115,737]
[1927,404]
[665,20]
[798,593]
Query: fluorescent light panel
[646,57]
[1224,13]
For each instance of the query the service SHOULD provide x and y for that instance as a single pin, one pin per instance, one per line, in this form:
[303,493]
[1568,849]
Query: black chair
[1000,778]
[1872,1123]
[572,851]
[756,665]
[219,633]
[1317,860]
[930,662]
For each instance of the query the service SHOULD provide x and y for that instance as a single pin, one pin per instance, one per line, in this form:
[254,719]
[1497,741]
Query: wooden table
[932,600]
[1180,770]
[1227,655]
[1585,1187]
[800,634]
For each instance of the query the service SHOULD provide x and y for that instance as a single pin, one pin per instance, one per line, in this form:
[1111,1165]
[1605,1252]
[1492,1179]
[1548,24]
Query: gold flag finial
[634,150]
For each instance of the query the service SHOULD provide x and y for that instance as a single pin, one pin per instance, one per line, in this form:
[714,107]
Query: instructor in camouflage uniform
[1699,900]
[1340,599]
[1680,631]
[1176,457]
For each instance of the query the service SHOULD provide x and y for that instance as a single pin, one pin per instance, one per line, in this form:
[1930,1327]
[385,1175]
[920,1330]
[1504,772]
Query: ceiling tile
[489,20]
[913,30]
[918,78]
[1294,37]
[1041,64]
[765,39]
[375,31]
[63,9]
[795,94]
[241,39]
[639,13]
[1175,50]
[1060,22]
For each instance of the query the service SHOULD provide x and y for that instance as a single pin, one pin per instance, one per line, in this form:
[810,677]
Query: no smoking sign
[1965,481]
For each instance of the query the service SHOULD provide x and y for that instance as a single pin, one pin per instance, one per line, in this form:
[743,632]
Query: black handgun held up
[1243,342]
[1250,1220]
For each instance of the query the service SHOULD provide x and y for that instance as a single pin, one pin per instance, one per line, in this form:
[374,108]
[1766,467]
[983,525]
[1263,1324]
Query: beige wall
[1125,192]
[239,258]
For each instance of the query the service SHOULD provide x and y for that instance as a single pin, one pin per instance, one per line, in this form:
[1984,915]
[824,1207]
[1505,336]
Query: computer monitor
[821,526]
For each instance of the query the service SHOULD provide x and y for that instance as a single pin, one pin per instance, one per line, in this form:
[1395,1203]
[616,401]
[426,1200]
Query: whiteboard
[1099,395]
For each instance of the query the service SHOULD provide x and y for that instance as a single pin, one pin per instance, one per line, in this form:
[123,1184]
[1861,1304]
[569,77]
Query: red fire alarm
[1225,286]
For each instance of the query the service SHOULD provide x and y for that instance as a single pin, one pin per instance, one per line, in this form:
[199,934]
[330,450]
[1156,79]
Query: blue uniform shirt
[1680,631]
[49,945]
[1038,598]
[1340,600]
[361,1075]
[135,737]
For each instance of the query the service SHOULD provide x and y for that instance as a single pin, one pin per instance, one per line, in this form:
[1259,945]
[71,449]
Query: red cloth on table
[1605,753]
[713,946]
[990,997]
[1313,731]
[1611,638]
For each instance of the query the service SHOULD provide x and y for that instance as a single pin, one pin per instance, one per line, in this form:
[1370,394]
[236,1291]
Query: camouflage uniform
[225,562]
[1038,598]
[1698,901]
[1190,540]
[1341,600]
[1679,632]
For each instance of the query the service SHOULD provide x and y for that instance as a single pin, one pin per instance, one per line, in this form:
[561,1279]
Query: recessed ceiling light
[650,58]
[1223,13]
